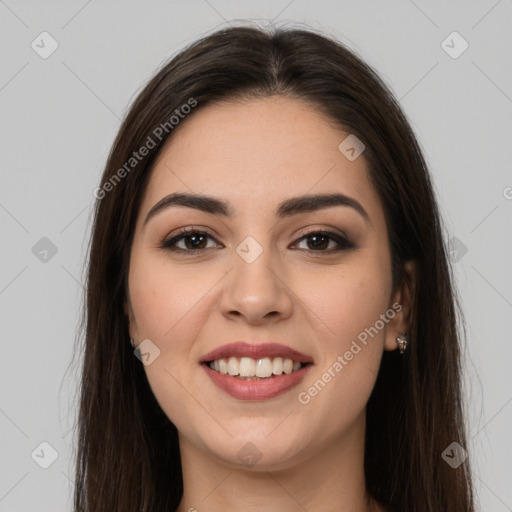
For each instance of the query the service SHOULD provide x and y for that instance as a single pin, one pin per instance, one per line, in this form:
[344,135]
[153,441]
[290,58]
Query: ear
[402,302]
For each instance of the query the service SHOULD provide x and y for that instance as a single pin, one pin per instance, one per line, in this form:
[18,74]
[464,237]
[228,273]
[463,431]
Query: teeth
[249,367]
[264,367]
[223,366]
[288,366]
[277,366]
[233,366]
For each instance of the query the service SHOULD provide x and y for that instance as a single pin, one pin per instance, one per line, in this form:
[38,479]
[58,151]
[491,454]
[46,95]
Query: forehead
[255,152]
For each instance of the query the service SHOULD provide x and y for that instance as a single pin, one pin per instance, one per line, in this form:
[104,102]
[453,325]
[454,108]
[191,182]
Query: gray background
[59,117]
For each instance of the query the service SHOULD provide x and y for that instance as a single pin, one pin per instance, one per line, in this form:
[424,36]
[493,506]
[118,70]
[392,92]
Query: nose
[256,292]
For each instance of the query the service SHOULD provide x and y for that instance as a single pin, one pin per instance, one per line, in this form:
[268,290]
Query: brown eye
[319,241]
[191,240]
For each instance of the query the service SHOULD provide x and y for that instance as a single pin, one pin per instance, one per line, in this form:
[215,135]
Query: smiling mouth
[247,368]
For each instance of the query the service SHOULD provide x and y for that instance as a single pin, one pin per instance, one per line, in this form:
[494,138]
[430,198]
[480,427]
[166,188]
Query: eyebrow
[289,207]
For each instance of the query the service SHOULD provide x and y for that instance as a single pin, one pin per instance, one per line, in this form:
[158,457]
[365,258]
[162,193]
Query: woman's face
[259,268]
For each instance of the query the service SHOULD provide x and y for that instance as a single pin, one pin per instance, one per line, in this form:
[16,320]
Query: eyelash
[343,243]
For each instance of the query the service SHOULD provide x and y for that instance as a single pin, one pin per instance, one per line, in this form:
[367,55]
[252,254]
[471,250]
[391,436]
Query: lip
[256,389]
[259,351]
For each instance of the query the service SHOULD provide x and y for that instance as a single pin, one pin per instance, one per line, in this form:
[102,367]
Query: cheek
[168,301]
[347,300]
[171,305]
[349,308]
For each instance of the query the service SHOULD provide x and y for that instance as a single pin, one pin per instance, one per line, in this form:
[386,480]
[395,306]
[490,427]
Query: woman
[268,239]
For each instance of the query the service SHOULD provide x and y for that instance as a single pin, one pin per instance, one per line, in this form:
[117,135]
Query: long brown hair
[127,449]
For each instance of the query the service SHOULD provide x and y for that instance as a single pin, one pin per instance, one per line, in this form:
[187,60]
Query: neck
[328,480]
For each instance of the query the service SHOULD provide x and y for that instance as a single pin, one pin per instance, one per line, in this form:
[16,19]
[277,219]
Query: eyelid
[182,233]
[328,231]
[343,241]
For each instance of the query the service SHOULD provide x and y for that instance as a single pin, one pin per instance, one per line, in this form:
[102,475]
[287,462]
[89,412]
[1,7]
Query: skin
[255,154]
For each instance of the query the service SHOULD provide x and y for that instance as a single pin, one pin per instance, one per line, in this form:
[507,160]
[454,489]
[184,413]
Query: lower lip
[256,389]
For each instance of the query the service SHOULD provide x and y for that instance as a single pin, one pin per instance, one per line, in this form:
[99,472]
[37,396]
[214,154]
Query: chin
[258,451]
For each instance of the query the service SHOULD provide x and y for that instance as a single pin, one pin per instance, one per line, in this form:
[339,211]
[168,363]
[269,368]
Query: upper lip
[255,351]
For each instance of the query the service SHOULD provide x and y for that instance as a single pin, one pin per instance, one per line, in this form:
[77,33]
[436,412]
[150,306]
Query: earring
[402,342]
[132,342]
